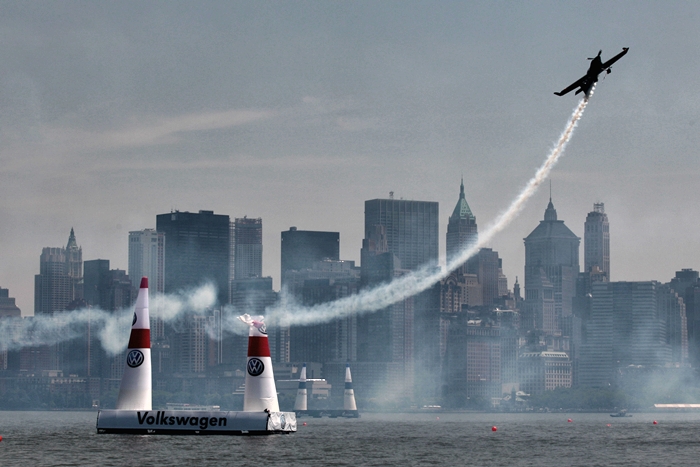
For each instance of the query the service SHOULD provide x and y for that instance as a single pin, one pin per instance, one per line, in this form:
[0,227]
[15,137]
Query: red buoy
[493,428]
[0,438]
[569,420]
[304,424]
[609,424]
[655,422]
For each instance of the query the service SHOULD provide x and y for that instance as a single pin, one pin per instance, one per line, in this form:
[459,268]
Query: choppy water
[69,439]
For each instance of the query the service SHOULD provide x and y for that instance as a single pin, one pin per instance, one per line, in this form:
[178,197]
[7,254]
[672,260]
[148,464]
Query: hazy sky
[298,112]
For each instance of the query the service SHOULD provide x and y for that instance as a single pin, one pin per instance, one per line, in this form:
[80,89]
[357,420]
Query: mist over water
[112,327]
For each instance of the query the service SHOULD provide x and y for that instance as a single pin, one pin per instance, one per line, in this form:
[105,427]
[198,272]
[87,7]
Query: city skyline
[266,111]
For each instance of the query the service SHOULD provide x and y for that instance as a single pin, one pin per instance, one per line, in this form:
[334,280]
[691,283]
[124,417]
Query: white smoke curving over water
[286,312]
[112,328]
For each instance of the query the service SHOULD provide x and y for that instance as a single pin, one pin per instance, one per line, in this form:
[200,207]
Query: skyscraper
[198,250]
[596,241]
[302,248]
[461,228]
[147,258]
[551,257]
[402,236]
[411,229]
[247,248]
[59,280]
[631,323]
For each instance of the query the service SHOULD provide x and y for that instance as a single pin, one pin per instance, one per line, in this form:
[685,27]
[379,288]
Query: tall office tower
[147,258]
[551,256]
[631,323]
[247,248]
[335,341]
[9,359]
[409,330]
[687,285]
[59,281]
[105,289]
[473,359]
[461,229]
[411,229]
[74,265]
[198,250]
[8,309]
[487,267]
[596,241]
[302,248]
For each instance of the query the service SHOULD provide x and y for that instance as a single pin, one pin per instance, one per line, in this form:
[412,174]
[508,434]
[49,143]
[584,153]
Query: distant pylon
[300,403]
[349,397]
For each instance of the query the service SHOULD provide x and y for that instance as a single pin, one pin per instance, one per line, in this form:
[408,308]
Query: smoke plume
[112,327]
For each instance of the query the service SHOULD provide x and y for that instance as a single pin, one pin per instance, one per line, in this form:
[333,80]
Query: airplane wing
[571,87]
[607,64]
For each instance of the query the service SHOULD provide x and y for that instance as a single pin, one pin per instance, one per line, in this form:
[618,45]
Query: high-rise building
[9,360]
[411,229]
[335,341]
[402,236]
[687,285]
[60,277]
[551,257]
[631,323]
[147,258]
[461,228]
[247,248]
[596,241]
[8,309]
[197,252]
[473,359]
[302,248]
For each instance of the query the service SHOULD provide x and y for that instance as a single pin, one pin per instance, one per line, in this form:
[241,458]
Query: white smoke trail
[110,327]
[287,312]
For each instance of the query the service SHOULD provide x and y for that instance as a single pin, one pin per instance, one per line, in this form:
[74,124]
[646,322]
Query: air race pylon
[135,390]
[260,390]
[300,403]
[349,397]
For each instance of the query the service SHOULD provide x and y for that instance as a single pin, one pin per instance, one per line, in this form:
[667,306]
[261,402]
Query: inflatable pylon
[135,392]
[300,403]
[260,390]
[349,397]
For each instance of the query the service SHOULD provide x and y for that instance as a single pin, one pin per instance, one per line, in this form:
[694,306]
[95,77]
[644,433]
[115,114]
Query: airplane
[586,83]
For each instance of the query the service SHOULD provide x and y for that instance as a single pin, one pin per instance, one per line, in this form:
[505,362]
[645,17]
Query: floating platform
[328,413]
[179,422]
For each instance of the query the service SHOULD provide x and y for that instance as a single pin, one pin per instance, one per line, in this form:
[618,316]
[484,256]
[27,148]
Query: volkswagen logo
[255,367]
[262,328]
[135,358]
[134,320]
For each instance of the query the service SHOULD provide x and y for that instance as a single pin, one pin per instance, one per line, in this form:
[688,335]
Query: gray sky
[298,112]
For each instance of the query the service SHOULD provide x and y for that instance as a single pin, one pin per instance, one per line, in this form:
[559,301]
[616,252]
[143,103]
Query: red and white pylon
[135,392]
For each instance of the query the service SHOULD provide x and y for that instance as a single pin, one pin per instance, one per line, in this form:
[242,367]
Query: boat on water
[621,413]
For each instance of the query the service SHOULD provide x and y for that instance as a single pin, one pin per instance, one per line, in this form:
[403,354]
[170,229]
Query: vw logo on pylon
[134,359]
[255,367]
